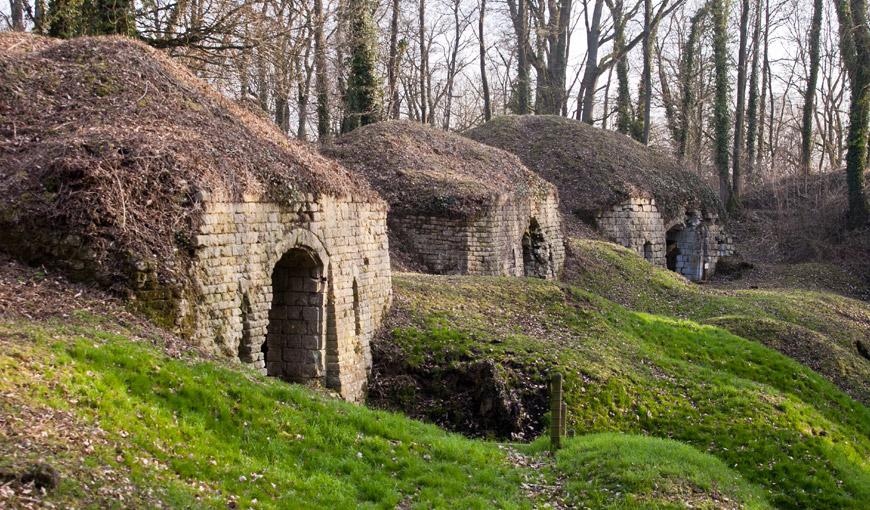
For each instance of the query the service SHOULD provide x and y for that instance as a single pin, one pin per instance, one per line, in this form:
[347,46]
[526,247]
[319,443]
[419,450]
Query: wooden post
[556,422]
[563,426]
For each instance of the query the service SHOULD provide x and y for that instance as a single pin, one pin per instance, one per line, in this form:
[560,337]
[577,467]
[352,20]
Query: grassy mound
[424,171]
[189,433]
[625,471]
[108,149]
[594,168]
[776,422]
[819,329]
[125,425]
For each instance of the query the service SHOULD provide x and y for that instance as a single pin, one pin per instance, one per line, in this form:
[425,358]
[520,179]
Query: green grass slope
[624,471]
[819,329]
[128,426]
[780,425]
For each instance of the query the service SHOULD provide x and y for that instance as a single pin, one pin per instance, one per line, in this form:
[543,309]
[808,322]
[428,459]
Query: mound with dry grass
[421,170]
[594,169]
[108,149]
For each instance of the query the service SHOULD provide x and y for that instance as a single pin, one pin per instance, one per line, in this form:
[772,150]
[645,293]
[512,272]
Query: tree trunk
[855,51]
[647,70]
[393,69]
[487,103]
[752,107]
[721,112]
[590,74]
[810,91]
[364,101]
[424,62]
[521,101]
[321,83]
[740,114]
[624,111]
[765,76]
[17,13]
[451,64]
[688,79]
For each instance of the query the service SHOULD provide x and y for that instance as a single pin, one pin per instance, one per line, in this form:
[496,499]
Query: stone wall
[690,245]
[695,243]
[637,225]
[298,290]
[491,243]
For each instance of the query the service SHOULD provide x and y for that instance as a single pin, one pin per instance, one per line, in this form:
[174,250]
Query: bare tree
[739,116]
[810,90]
[484,83]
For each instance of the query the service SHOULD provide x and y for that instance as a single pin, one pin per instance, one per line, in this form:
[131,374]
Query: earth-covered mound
[594,169]
[108,150]
[421,170]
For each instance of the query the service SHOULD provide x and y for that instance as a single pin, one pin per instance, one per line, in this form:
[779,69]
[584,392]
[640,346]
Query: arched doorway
[686,251]
[537,259]
[295,346]
[672,246]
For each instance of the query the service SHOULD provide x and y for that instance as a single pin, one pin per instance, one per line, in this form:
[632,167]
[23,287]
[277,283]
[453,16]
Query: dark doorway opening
[672,248]
[537,259]
[294,347]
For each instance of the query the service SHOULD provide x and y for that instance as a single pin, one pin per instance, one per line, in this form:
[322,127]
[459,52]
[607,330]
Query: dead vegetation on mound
[594,169]
[419,169]
[109,148]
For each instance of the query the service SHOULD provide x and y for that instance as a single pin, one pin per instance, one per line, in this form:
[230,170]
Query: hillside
[482,348]
[819,328]
[125,418]
[594,168]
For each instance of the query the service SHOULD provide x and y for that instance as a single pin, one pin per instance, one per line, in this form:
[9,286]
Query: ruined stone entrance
[537,259]
[686,248]
[294,347]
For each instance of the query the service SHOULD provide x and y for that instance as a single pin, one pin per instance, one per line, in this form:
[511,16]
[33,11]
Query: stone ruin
[623,191]
[297,288]
[457,206]
[121,168]
[690,244]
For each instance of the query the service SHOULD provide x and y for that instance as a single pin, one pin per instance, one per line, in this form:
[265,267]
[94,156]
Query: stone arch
[537,256]
[686,247]
[299,311]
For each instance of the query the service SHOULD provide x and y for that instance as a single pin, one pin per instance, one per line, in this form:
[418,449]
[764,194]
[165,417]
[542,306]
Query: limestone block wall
[296,289]
[637,225]
[491,243]
[695,243]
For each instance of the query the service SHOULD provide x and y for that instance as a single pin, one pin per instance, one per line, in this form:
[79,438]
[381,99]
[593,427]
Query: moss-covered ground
[819,329]
[127,426]
[779,424]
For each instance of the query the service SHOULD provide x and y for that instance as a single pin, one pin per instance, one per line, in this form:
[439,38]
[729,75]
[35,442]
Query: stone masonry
[514,236]
[695,243]
[691,245]
[297,290]
[637,225]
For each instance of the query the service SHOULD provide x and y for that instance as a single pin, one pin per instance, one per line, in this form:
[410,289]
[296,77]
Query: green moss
[241,436]
[628,471]
[775,422]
